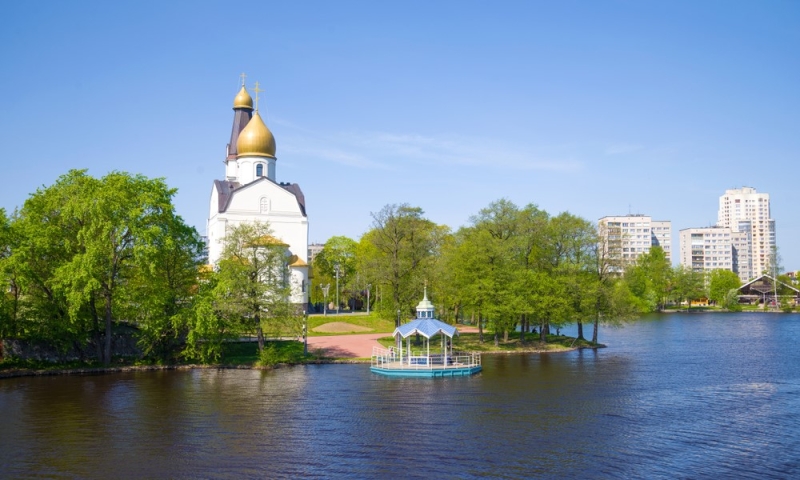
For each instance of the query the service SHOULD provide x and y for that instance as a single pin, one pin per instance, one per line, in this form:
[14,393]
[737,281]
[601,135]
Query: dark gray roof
[240,119]
[294,189]
[225,191]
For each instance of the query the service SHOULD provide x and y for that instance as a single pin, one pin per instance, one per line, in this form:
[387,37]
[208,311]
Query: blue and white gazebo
[405,362]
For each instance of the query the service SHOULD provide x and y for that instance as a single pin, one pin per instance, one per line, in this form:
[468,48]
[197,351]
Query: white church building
[251,193]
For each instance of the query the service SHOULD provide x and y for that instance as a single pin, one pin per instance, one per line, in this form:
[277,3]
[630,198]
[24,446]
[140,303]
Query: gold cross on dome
[257,90]
[242,76]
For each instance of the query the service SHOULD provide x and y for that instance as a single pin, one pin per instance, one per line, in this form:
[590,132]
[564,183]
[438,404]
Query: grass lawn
[371,321]
[470,342]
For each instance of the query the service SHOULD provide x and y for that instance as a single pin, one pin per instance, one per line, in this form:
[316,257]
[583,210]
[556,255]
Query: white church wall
[231,170]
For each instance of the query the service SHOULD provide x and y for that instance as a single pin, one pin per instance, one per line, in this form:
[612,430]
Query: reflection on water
[698,395]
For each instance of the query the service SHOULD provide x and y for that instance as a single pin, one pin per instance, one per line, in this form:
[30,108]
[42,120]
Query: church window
[264,205]
[259,170]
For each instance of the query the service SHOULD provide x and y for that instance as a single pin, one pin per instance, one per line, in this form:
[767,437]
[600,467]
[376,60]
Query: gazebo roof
[760,280]
[427,327]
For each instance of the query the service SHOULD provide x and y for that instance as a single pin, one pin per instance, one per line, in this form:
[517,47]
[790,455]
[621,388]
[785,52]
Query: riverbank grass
[470,342]
[338,323]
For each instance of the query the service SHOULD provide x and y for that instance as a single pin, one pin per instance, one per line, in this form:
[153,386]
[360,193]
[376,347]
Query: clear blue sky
[596,107]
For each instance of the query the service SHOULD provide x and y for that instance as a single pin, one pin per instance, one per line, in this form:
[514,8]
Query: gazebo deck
[389,362]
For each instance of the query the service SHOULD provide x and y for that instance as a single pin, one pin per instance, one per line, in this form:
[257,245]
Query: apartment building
[706,249]
[627,237]
[744,210]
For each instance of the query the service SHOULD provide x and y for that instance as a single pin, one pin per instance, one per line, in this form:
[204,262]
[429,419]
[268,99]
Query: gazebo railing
[392,359]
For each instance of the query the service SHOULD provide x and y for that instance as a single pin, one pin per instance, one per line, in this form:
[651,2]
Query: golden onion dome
[255,139]
[243,99]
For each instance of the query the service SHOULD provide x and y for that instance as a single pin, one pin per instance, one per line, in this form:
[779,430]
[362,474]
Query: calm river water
[673,396]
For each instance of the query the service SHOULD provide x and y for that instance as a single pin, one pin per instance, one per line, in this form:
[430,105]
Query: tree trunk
[96,329]
[522,328]
[580,330]
[260,334]
[496,343]
[542,334]
[107,342]
[480,328]
[594,333]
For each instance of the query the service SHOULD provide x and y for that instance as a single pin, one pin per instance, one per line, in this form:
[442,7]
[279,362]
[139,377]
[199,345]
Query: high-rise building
[626,237]
[746,211]
[313,251]
[706,249]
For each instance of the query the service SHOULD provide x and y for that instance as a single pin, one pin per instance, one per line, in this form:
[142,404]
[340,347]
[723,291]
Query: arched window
[259,170]
[264,205]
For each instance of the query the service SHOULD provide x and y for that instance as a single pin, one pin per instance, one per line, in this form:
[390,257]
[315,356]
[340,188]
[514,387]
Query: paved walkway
[355,346]
[346,346]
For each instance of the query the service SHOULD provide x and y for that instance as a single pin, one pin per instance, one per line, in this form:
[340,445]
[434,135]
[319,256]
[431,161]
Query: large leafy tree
[527,255]
[496,237]
[720,282]
[659,272]
[651,280]
[483,274]
[46,239]
[158,297]
[129,222]
[337,260]
[9,297]
[208,328]
[83,244]
[397,254]
[572,261]
[252,290]
[688,285]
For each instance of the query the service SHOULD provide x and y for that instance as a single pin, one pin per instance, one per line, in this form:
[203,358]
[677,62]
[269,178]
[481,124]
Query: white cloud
[622,148]
[382,150]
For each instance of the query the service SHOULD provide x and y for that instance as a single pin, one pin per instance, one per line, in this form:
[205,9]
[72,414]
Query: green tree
[397,254]
[252,289]
[720,282]
[208,328]
[338,255]
[441,286]
[609,299]
[659,272]
[688,285]
[45,235]
[159,295]
[127,219]
[496,236]
[84,244]
[9,296]
[573,259]
[651,280]
[532,231]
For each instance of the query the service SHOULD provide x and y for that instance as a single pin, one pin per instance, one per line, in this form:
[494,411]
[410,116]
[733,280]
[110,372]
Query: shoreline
[24,372]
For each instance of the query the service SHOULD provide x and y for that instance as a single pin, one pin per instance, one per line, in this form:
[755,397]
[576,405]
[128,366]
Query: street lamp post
[336,268]
[325,289]
[369,285]
[305,333]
